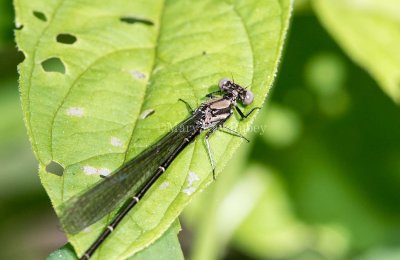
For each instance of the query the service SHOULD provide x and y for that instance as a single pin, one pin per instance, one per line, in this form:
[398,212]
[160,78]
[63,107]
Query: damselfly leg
[232,132]
[188,106]
[244,116]
[209,150]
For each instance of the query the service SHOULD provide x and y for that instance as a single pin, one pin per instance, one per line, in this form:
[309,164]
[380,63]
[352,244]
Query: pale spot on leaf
[115,141]
[164,185]
[75,111]
[192,178]
[138,75]
[104,171]
[189,190]
[87,229]
[89,170]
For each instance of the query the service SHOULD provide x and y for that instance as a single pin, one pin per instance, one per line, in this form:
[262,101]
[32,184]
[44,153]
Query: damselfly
[133,179]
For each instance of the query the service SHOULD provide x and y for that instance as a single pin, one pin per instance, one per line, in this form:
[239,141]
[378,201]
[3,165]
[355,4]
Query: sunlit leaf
[166,247]
[369,32]
[83,96]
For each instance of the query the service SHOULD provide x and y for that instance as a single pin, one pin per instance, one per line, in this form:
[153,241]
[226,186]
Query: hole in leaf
[66,38]
[55,168]
[39,15]
[19,26]
[53,65]
[20,56]
[133,20]
[147,113]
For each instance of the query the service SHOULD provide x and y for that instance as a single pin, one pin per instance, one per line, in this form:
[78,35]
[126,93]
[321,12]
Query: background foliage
[318,181]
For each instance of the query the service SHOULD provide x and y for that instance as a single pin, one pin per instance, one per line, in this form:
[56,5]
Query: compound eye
[249,97]
[224,83]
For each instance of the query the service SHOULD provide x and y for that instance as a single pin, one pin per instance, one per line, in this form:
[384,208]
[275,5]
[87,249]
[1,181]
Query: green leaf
[166,247]
[64,253]
[83,101]
[369,32]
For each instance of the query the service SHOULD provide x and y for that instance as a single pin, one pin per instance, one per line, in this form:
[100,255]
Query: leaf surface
[93,71]
[369,32]
[166,247]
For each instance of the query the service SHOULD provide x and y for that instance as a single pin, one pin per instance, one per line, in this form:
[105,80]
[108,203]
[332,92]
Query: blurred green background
[319,180]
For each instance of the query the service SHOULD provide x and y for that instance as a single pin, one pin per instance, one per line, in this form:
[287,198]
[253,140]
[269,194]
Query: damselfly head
[243,95]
